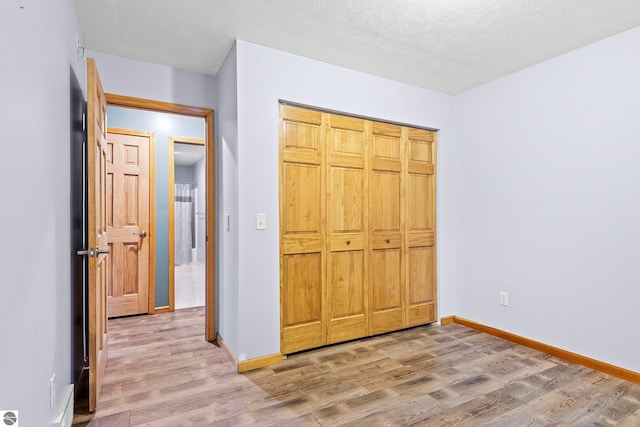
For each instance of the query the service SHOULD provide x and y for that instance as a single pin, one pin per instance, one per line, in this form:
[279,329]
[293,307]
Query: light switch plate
[261,221]
[504,298]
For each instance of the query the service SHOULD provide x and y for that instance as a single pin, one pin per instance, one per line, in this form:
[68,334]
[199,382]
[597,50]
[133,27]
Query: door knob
[89,252]
[141,234]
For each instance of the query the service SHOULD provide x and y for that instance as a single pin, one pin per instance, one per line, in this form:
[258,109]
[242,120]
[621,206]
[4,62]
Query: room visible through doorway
[187,217]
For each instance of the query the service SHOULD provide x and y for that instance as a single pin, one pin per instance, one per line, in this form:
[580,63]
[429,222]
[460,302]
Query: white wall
[547,201]
[228,261]
[200,176]
[183,173]
[38,45]
[265,76]
[123,76]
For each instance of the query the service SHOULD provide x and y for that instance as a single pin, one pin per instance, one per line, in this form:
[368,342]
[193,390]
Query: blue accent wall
[163,125]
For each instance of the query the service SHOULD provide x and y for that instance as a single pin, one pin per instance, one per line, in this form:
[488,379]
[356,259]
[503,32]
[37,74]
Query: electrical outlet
[504,298]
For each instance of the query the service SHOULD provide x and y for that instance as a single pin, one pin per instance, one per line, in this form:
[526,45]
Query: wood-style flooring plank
[161,372]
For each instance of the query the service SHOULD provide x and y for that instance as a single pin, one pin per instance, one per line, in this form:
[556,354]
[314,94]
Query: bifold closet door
[347,189]
[386,214]
[302,212]
[357,228]
[420,223]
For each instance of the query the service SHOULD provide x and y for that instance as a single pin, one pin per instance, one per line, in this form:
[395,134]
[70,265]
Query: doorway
[163,301]
[187,219]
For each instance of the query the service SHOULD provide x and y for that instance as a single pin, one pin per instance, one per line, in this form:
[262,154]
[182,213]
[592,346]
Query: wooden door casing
[97,227]
[128,215]
[208,116]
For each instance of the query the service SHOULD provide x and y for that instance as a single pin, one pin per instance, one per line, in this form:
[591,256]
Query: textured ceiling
[444,45]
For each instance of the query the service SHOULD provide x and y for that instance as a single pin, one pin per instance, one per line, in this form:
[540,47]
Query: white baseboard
[65,416]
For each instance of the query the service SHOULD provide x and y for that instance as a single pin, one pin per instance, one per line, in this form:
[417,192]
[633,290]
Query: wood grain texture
[558,352]
[210,230]
[447,320]
[163,309]
[162,372]
[347,305]
[357,196]
[97,266]
[259,362]
[151,105]
[128,213]
[302,226]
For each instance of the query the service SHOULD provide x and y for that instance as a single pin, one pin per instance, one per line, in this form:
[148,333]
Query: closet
[357,228]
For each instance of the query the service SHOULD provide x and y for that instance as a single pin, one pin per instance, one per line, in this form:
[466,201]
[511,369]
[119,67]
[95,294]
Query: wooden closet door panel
[302,198]
[302,212]
[385,202]
[347,304]
[347,301]
[302,302]
[386,289]
[421,286]
[421,253]
[346,197]
[386,225]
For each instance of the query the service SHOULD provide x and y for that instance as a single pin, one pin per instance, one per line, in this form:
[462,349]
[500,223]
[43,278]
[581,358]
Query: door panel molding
[151,236]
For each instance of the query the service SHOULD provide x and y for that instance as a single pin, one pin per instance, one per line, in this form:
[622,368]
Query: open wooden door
[98,250]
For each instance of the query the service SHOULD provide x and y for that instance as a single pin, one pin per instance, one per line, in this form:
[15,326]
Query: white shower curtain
[183,238]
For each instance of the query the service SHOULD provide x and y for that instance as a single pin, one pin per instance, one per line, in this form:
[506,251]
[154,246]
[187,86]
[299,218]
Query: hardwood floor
[161,372]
